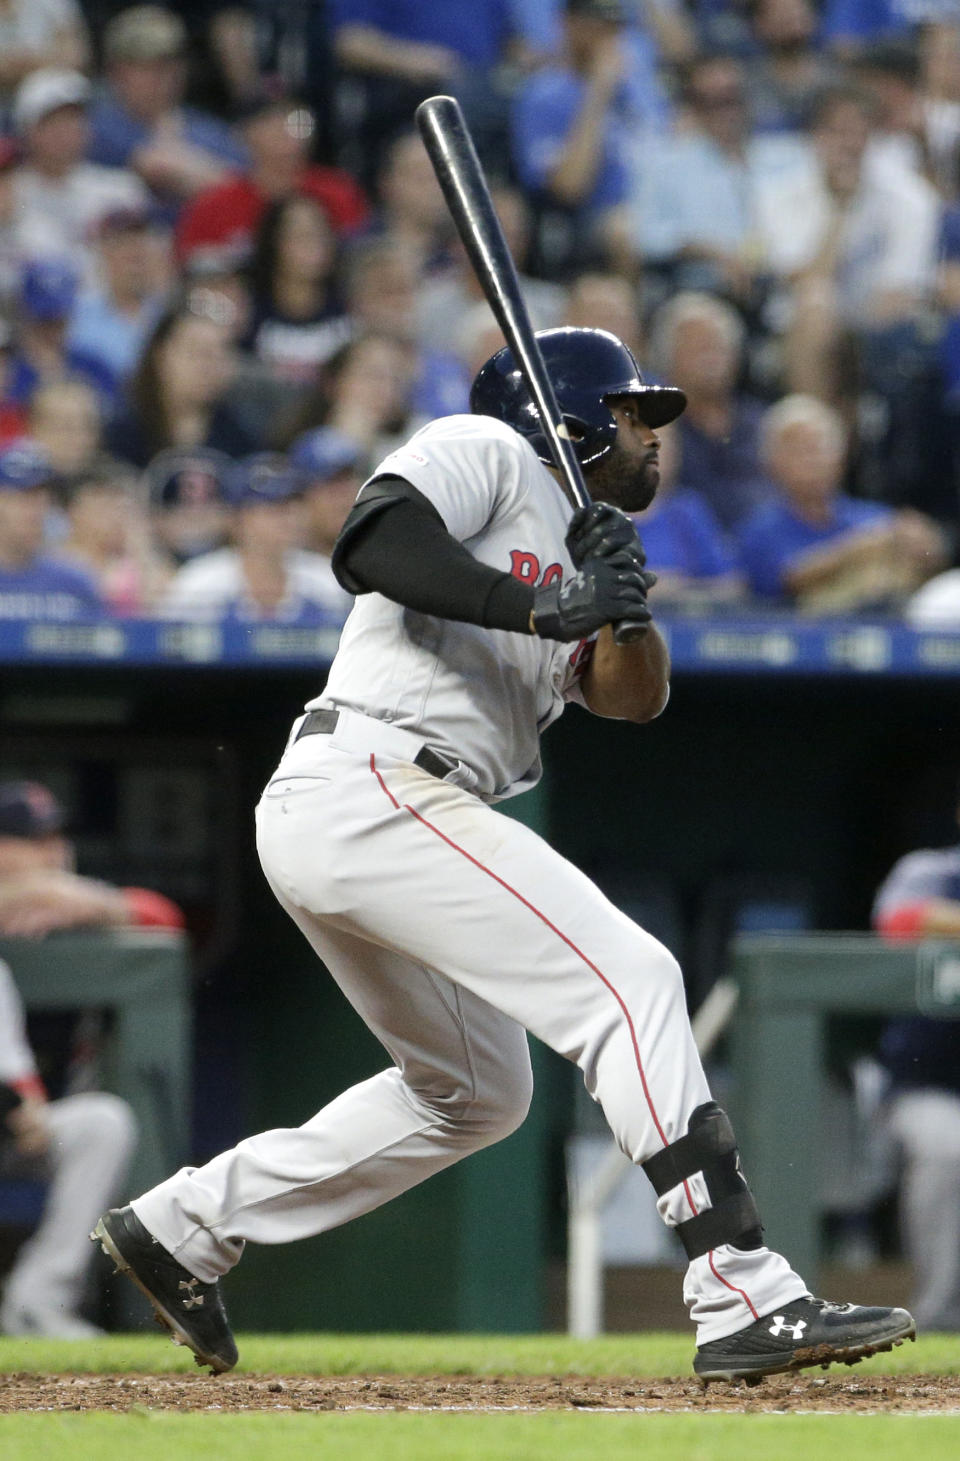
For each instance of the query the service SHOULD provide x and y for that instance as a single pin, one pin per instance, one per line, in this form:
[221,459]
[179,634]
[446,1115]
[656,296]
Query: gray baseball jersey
[481,695]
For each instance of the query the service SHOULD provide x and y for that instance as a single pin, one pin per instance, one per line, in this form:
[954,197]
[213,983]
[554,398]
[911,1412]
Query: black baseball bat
[455,162]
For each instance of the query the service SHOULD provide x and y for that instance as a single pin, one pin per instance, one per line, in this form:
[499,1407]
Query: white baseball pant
[451,928]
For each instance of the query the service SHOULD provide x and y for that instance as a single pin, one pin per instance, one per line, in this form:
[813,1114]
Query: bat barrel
[455,162]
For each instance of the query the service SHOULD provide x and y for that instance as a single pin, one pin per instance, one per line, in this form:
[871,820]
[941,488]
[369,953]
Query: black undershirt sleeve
[403,551]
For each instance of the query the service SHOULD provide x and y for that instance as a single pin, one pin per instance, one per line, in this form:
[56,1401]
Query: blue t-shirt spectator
[682,535]
[442,387]
[116,134]
[542,117]
[46,589]
[775,535]
[477,32]
[726,471]
[866,21]
[24,377]
[646,101]
[100,332]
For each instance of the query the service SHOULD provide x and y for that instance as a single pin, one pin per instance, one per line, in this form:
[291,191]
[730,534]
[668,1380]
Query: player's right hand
[604,591]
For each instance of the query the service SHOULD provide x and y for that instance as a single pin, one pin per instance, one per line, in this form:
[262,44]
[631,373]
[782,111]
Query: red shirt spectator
[276,133]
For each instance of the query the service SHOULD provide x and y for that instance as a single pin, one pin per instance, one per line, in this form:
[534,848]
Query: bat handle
[628,631]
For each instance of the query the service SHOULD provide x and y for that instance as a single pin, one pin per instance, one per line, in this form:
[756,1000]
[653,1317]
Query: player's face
[629,475]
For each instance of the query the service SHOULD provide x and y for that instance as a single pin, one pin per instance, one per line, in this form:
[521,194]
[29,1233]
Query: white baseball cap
[44,91]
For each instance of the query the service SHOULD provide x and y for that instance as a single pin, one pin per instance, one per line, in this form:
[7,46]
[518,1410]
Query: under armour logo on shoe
[781,1326]
[195,1300]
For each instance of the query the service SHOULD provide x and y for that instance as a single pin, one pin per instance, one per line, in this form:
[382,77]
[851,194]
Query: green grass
[648,1354]
[550,1437]
[145,1435]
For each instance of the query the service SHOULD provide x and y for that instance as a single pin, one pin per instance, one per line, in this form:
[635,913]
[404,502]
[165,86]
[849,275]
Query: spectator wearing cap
[330,464]
[266,576]
[32,584]
[58,194]
[113,316]
[40,889]
[141,122]
[189,511]
[42,352]
[65,420]
[176,396]
[108,536]
[277,134]
[37,34]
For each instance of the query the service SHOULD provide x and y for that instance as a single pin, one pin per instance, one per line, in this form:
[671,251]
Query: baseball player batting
[483,609]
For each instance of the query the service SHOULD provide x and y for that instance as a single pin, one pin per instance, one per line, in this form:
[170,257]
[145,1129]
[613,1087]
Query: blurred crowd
[229,284]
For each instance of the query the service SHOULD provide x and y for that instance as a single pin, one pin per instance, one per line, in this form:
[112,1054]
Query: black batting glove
[599,531]
[604,591]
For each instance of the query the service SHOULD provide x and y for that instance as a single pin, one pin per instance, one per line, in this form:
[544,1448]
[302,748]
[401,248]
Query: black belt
[324,723]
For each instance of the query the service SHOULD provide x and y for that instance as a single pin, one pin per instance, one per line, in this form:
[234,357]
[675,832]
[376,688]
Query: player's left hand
[600,531]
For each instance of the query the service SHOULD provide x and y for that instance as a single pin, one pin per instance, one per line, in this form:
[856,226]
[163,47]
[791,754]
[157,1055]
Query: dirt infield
[827,1394]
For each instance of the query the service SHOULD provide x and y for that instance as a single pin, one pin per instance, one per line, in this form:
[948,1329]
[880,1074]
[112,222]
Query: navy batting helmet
[585,366]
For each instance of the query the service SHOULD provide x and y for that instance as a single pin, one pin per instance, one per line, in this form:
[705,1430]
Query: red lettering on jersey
[525,566]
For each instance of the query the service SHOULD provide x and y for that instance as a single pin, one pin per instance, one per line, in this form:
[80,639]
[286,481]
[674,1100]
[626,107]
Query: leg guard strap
[709,1147]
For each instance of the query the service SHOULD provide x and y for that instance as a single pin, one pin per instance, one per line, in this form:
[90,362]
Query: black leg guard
[709,1147]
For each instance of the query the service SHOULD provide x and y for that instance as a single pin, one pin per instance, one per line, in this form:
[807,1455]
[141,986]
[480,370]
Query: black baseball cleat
[192,1310]
[804,1332]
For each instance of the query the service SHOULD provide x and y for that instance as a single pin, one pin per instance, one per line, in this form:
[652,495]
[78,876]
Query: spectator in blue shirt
[698,343]
[694,196]
[331,465]
[657,35]
[42,351]
[848,27]
[111,319]
[33,586]
[396,52]
[789,67]
[571,133]
[140,121]
[695,562]
[817,548]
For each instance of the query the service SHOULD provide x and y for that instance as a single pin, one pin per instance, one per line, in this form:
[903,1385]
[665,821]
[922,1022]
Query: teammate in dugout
[482,609]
